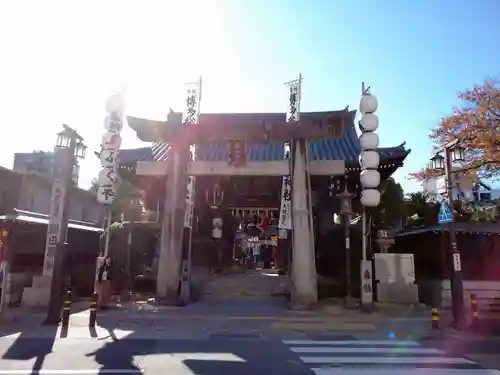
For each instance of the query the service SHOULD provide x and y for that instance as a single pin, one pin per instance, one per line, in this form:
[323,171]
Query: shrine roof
[151,130]
[345,148]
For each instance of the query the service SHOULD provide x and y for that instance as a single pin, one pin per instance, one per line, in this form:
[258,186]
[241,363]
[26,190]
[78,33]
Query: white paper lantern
[368,141]
[369,122]
[369,160]
[107,176]
[368,104]
[111,141]
[108,158]
[105,195]
[370,197]
[113,124]
[115,103]
[370,178]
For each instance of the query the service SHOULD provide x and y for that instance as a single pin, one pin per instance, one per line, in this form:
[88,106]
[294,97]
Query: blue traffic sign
[444,213]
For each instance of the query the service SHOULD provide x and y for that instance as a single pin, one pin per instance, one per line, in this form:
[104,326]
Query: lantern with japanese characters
[369,158]
[111,142]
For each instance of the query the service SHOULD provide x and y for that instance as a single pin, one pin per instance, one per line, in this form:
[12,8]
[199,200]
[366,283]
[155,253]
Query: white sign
[54,226]
[366,282]
[285,219]
[457,265]
[292,115]
[191,115]
[188,215]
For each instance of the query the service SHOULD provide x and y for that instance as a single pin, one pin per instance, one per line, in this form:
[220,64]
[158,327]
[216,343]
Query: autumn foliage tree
[476,124]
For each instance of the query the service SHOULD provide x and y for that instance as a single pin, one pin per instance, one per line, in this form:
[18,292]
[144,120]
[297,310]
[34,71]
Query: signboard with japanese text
[191,115]
[366,282]
[54,226]
[292,116]
[237,152]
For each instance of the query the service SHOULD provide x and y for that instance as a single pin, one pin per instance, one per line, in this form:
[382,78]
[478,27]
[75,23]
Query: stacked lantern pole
[111,142]
[370,180]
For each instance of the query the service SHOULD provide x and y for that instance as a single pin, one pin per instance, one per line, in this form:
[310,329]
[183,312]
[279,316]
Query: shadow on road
[217,354]
[27,347]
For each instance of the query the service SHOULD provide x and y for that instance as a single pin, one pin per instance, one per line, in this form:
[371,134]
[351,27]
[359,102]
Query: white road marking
[351,342]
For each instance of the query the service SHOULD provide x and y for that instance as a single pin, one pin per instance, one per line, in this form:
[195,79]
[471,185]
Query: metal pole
[108,232]
[456,277]
[363,232]
[5,270]
[347,259]
[57,282]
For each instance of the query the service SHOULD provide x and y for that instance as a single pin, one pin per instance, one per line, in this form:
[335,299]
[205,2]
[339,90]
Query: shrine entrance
[209,165]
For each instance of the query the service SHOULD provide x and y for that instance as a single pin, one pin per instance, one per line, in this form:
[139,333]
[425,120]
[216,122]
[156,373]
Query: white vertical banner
[54,226]
[191,115]
[292,115]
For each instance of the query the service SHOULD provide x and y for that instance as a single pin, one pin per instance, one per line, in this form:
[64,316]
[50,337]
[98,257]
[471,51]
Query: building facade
[31,192]
[47,163]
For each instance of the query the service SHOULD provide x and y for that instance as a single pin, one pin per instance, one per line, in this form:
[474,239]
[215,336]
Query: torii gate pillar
[172,227]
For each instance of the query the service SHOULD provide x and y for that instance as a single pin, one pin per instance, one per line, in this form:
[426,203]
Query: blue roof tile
[346,148]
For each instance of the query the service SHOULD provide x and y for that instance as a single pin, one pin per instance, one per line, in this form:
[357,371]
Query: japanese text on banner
[292,115]
[191,115]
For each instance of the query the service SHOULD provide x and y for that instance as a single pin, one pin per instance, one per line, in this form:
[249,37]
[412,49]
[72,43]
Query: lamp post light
[452,153]
[71,145]
[346,211]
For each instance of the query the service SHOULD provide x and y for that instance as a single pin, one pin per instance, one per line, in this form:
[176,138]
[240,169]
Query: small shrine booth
[241,179]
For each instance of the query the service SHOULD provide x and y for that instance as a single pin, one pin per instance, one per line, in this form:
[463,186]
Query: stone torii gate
[179,166]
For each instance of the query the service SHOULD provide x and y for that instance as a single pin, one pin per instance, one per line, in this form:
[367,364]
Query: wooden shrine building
[243,174]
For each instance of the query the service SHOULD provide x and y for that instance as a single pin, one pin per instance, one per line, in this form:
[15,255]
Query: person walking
[104,278]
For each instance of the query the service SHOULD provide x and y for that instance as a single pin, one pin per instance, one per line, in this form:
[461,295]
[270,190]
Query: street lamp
[72,147]
[452,152]
[345,210]
[437,162]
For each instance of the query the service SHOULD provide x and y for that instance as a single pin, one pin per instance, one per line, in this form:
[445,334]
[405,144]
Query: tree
[422,210]
[477,127]
[391,210]
[125,191]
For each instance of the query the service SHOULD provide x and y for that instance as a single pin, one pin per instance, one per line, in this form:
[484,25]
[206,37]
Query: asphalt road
[217,356]
[241,355]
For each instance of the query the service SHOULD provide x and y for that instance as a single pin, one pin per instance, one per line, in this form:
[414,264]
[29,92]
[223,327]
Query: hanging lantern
[370,197]
[368,141]
[369,122]
[369,159]
[370,178]
[368,104]
[458,154]
[437,162]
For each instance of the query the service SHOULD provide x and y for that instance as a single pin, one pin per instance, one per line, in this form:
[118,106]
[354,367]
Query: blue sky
[63,60]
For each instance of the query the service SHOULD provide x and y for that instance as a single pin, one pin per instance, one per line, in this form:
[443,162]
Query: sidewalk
[267,316]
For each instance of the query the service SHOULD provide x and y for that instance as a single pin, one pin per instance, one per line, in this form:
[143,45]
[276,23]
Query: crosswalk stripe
[386,360]
[377,357]
[414,371]
[351,342]
[397,350]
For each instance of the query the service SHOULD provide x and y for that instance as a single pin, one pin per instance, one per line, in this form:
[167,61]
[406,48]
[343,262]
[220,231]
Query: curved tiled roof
[346,147]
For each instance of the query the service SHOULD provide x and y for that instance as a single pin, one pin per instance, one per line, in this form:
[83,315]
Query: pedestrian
[104,278]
